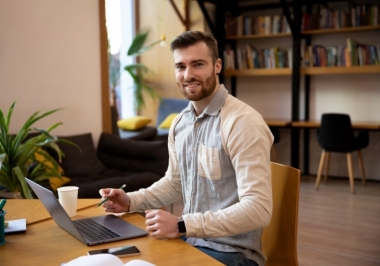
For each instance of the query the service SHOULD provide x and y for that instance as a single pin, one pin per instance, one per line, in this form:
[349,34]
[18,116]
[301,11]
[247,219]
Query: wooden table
[277,122]
[44,243]
[313,124]
[357,125]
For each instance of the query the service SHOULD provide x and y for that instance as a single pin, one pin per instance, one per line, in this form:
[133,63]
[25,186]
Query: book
[104,259]
[15,226]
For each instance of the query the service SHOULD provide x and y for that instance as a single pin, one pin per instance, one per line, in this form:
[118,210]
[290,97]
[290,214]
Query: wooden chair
[279,239]
[336,135]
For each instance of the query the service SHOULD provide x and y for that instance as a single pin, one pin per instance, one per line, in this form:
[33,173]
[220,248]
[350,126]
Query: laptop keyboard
[94,231]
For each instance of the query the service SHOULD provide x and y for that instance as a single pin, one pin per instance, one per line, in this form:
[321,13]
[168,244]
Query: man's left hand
[161,224]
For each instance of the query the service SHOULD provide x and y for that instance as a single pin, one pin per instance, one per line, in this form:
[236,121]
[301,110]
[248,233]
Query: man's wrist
[181,226]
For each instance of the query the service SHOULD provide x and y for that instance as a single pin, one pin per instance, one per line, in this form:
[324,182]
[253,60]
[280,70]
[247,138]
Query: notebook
[90,231]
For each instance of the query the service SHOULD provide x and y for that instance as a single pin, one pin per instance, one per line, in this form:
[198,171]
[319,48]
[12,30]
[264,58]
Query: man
[219,149]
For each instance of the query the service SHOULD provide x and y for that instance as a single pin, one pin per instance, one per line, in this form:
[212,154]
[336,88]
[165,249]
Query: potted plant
[138,70]
[23,154]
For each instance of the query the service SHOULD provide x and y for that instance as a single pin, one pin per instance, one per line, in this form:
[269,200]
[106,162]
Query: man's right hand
[118,200]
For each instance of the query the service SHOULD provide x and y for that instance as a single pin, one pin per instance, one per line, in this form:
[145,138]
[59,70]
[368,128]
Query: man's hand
[118,200]
[161,224]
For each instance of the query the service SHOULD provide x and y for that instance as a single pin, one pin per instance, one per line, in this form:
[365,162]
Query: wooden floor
[334,226]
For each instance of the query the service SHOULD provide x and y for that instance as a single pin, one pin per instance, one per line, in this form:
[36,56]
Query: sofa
[167,110]
[115,161]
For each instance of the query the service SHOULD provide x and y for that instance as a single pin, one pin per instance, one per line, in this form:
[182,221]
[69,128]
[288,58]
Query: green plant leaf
[138,71]
[2,158]
[25,188]
[138,42]
[18,153]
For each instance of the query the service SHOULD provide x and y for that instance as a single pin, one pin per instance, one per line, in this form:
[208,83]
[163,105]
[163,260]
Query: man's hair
[189,38]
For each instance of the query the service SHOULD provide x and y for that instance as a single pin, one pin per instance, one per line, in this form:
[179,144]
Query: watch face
[181,227]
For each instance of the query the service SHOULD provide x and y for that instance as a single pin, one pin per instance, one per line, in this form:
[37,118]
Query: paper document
[16,226]
[104,259]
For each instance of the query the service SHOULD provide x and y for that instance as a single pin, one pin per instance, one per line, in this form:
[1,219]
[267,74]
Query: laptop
[90,231]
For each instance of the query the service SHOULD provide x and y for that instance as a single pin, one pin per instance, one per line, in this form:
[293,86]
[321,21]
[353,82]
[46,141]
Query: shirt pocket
[209,162]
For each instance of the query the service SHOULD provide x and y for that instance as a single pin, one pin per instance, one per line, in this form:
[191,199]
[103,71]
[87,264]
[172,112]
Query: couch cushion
[168,121]
[133,155]
[133,123]
[83,162]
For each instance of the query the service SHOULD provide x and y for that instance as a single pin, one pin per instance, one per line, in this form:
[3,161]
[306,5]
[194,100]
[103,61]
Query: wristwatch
[181,226]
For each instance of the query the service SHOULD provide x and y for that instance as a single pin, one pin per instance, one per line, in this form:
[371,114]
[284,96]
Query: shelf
[259,72]
[341,30]
[340,70]
[306,32]
[277,122]
[305,71]
[258,36]
[357,125]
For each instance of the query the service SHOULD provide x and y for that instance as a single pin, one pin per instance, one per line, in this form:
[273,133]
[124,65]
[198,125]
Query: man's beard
[208,88]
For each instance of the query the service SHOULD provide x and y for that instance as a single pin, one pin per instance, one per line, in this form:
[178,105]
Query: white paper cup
[68,197]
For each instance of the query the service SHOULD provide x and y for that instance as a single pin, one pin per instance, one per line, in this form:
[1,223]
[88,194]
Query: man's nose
[189,74]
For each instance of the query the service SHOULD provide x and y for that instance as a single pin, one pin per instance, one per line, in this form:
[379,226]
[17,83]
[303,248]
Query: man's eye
[198,64]
[180,67]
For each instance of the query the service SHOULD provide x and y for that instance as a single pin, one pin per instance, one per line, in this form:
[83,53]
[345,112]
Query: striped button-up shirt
[219,162]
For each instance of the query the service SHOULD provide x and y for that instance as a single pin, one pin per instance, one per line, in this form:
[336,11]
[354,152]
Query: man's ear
[218,66]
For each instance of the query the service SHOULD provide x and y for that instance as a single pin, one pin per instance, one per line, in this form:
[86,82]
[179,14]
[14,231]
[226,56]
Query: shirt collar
[215,104]
[217,101]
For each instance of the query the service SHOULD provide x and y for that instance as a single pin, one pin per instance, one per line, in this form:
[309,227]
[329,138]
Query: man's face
[195,72]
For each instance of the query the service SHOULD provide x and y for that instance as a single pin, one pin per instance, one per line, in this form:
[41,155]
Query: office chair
[336,135]
[276,134]
[279,239]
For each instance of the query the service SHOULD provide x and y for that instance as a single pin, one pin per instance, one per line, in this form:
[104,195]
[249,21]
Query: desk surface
[44,243]
[363,125]
[277,122]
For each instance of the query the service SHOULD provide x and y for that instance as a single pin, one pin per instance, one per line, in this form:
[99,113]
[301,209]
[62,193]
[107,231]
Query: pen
[100,203]
[2,203]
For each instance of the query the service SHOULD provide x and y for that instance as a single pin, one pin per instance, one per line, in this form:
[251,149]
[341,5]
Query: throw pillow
[133,123]
[56,182]
[168,121]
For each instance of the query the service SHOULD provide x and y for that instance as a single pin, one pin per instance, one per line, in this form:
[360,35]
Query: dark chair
[276,134]
[336,135]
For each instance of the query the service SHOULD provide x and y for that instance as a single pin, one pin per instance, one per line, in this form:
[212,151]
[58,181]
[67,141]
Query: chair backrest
[279,239]
[336,133]
[168,106]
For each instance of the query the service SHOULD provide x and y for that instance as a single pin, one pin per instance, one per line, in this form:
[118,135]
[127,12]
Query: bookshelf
[294,12]
[258,72]
[334,70]
[258,36]
[309,72]
[341,30]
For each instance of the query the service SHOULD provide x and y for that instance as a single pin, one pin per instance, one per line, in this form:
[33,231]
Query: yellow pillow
[56,182]
[133,123]
[41,159]
[168,121]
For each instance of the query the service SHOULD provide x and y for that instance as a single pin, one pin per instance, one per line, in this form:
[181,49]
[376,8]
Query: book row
[320,17]
[352,54]
[324,17]
[250,58]
[263,25]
